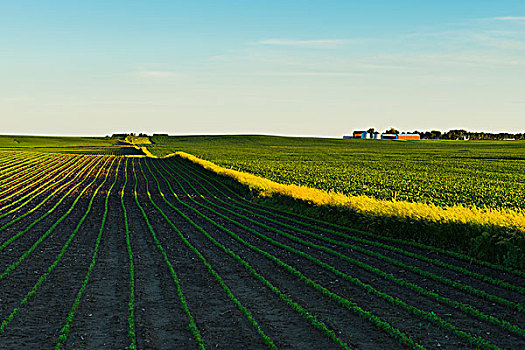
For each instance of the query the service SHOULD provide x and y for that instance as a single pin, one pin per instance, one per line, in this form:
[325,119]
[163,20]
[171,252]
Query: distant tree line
[458,134]
[129,134]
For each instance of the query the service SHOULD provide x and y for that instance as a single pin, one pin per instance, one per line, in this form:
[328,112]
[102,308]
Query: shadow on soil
[489,243]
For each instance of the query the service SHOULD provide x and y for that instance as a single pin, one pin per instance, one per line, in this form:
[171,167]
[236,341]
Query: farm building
[408,137]
[378,136]
[361,135]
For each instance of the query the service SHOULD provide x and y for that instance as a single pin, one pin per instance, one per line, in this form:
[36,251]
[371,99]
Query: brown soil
[101,320]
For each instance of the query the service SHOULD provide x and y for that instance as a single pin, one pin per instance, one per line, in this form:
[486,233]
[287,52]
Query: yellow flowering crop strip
[353,234]
[416,211]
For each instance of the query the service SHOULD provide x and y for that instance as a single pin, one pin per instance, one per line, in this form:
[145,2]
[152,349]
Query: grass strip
[502,219]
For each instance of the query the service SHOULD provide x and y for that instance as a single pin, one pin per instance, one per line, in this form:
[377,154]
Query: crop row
[39,178]
[41,189]
[131,298]
[465,308]
[262,241]
[310,316]
[266,339]
[26,254]
[354,234]
[191,321]
[32,169]
[6,321]
[457,305]
[15,161]
[78,171]
[64,331]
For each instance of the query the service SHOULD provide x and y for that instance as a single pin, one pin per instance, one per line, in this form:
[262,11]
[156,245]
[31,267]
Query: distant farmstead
[377,136]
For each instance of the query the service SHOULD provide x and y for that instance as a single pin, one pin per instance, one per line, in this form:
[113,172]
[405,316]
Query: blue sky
[275,67]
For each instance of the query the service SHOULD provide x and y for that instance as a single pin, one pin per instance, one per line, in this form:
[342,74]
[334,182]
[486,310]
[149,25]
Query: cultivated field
[105,251]
[475,174]
[73,145]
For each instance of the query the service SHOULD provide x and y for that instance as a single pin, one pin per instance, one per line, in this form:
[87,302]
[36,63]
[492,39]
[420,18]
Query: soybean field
[112,251]
[482,174]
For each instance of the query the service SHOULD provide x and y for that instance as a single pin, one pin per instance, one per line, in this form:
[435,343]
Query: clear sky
[284,67]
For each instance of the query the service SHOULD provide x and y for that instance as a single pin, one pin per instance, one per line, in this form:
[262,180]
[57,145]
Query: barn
[361,135]
[408,137]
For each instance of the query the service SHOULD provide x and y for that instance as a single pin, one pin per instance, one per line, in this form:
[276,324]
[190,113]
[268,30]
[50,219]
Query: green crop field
[102,250]
[62,144]
[105,251]
[475,174]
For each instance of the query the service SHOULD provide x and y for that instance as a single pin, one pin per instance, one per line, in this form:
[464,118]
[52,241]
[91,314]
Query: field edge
[488,234]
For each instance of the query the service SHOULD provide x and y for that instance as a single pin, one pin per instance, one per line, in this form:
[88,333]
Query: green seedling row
[73,171]
[319,225]
[266,339]
[12,266]
[308,315]
[20,159]
[192,325]
[29,170]
[85,170]
[5,322]
[36,180]
[131,299]
[349,305]
[64,331]
[428,316]
[454,304]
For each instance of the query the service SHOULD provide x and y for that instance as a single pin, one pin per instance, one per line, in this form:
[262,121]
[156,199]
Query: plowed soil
[251,277]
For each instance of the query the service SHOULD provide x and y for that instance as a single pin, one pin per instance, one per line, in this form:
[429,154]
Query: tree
[392,131]
[371,130]
[435,134]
